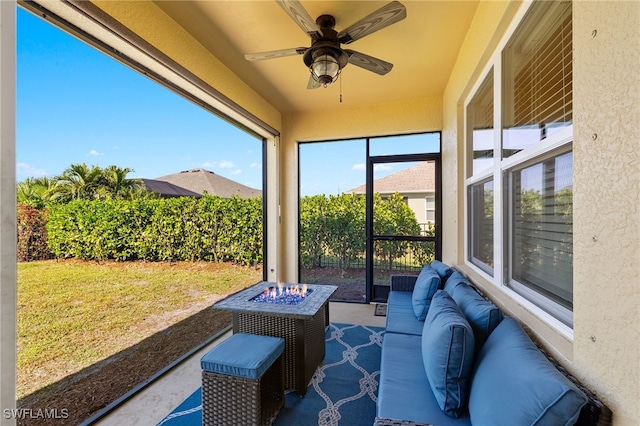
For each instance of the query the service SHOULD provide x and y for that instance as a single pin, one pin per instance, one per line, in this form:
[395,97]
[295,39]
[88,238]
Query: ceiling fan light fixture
[325,68]
[325,59]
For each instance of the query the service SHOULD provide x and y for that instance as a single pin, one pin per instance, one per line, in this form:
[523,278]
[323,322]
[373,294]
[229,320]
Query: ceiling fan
[325,58]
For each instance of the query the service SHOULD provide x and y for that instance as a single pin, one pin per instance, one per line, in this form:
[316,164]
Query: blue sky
[76,105]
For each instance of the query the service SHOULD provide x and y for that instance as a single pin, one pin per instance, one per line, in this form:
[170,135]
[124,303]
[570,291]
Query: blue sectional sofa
[450,357]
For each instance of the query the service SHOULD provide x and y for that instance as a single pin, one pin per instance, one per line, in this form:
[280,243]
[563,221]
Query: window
[541,232]
[519,188]
[481,225]
[430,213]
[537,85]
[480,116]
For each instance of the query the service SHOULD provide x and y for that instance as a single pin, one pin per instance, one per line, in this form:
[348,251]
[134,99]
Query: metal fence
[389,255]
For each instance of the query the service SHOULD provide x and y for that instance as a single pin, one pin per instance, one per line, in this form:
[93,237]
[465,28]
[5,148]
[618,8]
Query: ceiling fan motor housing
[325,53]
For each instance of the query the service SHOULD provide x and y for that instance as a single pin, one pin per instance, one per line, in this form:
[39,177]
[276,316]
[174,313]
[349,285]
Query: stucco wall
[604,352]
[418,203]
[606,87]
[419,115]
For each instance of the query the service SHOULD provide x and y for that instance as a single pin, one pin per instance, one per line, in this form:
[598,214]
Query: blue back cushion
[515,384]
[452,282]
[483,316]
[442,269]
[427,283]
[447,354]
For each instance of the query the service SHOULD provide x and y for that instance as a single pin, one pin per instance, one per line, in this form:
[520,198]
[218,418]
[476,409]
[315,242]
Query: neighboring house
[417,186]
[194,183]
[166,189]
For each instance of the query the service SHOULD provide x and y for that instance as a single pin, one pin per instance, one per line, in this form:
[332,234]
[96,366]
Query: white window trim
[539,149]
[517,287]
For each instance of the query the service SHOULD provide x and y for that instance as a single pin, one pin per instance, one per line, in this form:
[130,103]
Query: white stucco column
[7,211]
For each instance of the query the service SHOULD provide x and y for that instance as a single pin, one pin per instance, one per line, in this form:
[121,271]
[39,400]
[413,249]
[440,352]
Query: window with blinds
[537,84]
[541,234]
[519,217]
[480,118]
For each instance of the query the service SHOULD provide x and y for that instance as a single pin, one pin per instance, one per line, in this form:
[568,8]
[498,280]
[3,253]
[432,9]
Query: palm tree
[35,192]
[114,183]
[78,182]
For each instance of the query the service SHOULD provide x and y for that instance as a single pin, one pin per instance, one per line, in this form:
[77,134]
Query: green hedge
[209,228]
[334,226]
[216,229]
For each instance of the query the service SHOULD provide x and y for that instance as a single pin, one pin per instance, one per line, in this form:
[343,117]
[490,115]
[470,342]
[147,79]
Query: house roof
[201,180]
[418,178]
[167,190]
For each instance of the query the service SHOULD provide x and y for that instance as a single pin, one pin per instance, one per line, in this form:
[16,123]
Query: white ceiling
[423,48]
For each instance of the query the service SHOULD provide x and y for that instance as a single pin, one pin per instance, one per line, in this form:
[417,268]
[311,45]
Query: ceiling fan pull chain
[340,87]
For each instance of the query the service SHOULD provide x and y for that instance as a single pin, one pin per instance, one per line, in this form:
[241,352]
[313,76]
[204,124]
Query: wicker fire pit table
[301,325]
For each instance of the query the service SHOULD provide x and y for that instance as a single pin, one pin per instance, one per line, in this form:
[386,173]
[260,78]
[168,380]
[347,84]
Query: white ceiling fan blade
[300,15]
[381,18]
[369,63]
[275,54]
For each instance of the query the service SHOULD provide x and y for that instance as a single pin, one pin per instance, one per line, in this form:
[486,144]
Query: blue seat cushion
[447,351]
[442,269]
[427,283]
[243,355]
[400,315]
[482,315]
[514,383]
[404,392]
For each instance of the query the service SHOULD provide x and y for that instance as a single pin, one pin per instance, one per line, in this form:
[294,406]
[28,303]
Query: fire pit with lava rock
[284,295]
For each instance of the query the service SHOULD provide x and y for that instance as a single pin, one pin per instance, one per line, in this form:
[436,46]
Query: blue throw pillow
[483,316]
[452,282]
[443,270]
[515,384]
[427,283]
[447,354]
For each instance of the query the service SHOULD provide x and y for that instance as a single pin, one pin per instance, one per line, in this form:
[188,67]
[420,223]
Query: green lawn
[72,314]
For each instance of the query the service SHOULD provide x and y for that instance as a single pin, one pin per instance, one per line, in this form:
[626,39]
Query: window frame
[541,306]
[554,308]
[471,220]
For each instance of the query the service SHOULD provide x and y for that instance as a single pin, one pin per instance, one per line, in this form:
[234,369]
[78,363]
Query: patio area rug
[343,390]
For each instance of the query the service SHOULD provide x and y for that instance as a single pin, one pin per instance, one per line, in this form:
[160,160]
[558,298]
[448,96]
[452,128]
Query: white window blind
[542,231]
[538,92]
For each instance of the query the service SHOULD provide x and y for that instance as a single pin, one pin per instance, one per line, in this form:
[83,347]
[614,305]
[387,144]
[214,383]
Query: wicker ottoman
[243,381]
